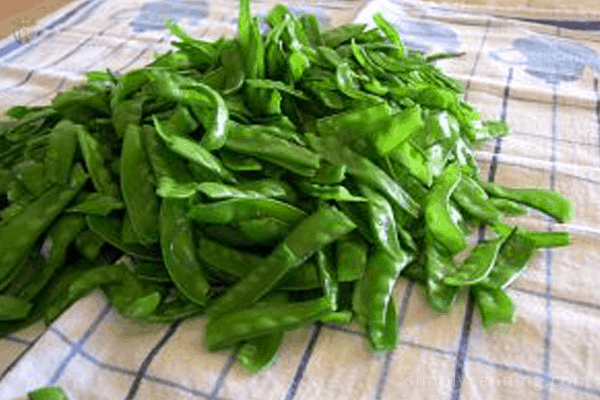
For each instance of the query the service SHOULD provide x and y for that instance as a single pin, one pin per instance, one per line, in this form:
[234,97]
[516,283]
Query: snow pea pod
[169,312]
[473,199]
[95,163]
[382,221]
[266,188]
[494,305]
[264,230]
[311,26]
[438,264]
[178,250]
[234,327]
[437,214]
[351,254]
[96,203]
[391,32]
[137,188]
[509,207]
[257,354]
[60,152]
[233,210]
[316,231]
[133,298]
[110,229]
[12,308]
[335,36]
[89,244]
[32,222]
[389,338]
[48,393]
[478,264]
[328,278]
[150,272]
[546,201]
[338,317]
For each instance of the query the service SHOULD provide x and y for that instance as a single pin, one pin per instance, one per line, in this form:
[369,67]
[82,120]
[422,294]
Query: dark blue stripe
[77,347]
[476,62]
[18,340]
[14,363]
[304,362]
[575,25]
[149,358]
[222,375]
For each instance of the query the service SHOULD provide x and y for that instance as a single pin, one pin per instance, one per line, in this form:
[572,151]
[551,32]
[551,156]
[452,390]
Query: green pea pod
[95,163]
[133,298]
[233,210]
[335,36]
[138,191]
[389,338]
[31,224]
[97,203]
[328,278]
[275,85]
[267,188]
[478,264]
[414,160]
[347,85]
[391,32]
[239,162]
[514,256]
[168,313]
[12,308]
[110,229]
[403,125]
[125,112]
[438,264]
[193,151]
[60,152]
[316,231]
[254,142]
[473,199]
[337,192]
[437,214]
[257,354]
[329,174]
[338,317]
[264,230]
[509,207]
[351,258]
[494,305]
[89,244]
[312,27]
[231,59]
[179,252]
[234,327]
[150,272]
[546,201]
[378,283]
[365,172]
[31,175]
[129,235]
[48,393]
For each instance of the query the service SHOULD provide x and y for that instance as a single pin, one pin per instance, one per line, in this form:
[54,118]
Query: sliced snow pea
[437,213]
[96,203]
[231,59]
[178,251]
[494,305]
[365,172]
[257,354]
[478,264]
[347,85]
[321,228]
[239,162]
[95,163]
[12,308]
[233,210]
[60,152]
[31,223]
[110,229]
[138,191]
[234,327]
[414,160]
[547,201]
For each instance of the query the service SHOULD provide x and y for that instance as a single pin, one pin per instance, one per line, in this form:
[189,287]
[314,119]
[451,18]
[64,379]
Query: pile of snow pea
[266,182]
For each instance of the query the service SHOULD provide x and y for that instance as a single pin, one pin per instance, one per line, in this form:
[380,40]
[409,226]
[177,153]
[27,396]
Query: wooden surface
[13,12]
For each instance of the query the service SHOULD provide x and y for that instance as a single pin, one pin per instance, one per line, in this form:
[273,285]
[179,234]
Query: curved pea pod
[134,298]
[338,317]
[169,312]
[546,201]
[275,85]
[437,213]
[12,308]
[509,207]
[403,125]
[265,188]
[138,191]
[257,354]
[95,163]
[438,264]
[231,59]
[31,223]
[478,264]
[48,393]
[97,203]
[412,158]
[391,32]
[326,192]
[351,254]
[193,151]
[329,174]
[389,338]
[110,229]
[328,278]
[234,327]
[239,162]
[150,272]
[89,244]
[233,210]
[313,233]
[60,152]
[179,252]
[377,285]
[335,36]
[347,85]
[472,198]
[494,305]
[264,230]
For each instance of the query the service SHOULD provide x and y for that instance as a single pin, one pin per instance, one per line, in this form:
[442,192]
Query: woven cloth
[541,79]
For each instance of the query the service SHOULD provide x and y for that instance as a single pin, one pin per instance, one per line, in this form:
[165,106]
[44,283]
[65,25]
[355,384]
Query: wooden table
[13,12]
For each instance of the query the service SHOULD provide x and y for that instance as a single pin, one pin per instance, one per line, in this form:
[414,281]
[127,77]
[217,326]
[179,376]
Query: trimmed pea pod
[48,393]
[179,252]
[94,156]
[168,312]
[133,298]
[229,329]
[437,211]
[264,230]
[471,197]
[494,305]
[32,222]
[478,264]
[321,228]
[138,191]
[235,210]
[509,207]
[257,354]
[546,201]
[351,254]
[438,265]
